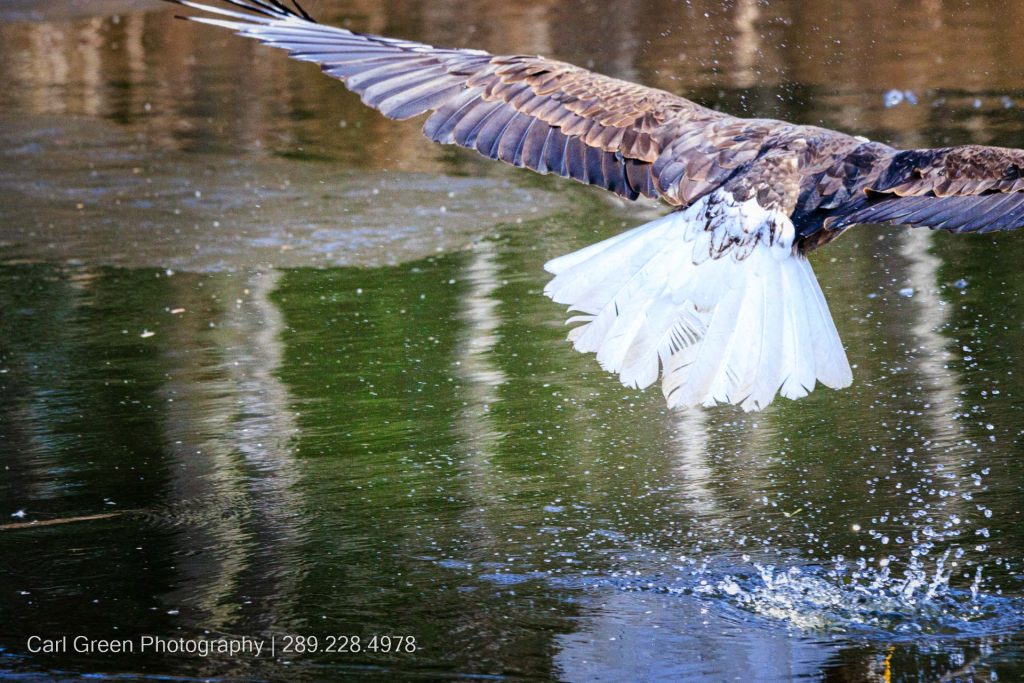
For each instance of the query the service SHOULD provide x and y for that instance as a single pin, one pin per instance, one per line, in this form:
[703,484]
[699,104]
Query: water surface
[291,366]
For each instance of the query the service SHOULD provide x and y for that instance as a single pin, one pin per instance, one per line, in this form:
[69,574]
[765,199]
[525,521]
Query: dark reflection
[300,358]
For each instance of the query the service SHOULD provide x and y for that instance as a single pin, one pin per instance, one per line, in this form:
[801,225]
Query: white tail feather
[737,325]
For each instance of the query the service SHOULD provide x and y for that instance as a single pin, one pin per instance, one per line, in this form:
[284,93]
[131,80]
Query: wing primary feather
[553,154]
[490,135]
[262,17]
[518,154]
[440,126]
[474,117]
[510,141]
[399,107]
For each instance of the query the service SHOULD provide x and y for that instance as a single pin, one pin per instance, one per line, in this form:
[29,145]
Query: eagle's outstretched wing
[554,117]
[532,112]
[970,188]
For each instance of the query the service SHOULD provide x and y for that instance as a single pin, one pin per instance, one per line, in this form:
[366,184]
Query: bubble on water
[895,97]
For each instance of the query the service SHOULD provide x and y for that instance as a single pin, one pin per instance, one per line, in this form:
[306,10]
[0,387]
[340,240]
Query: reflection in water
[230,445]
[482,322]
[748,43]
[103,66]
[327,440]
[692,437]
[931,348]
[634,636]
[264,432]
[478,435]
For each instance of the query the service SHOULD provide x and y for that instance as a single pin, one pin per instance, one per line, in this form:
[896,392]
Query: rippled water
[273,366]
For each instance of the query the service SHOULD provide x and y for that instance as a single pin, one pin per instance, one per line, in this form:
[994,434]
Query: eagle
[717,297]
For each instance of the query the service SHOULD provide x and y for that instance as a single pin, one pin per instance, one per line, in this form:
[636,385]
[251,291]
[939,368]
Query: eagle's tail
[727,314]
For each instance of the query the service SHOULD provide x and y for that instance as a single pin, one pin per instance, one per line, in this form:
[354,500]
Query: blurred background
[289,366]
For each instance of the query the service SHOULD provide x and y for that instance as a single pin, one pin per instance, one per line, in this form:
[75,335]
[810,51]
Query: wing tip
[261,10]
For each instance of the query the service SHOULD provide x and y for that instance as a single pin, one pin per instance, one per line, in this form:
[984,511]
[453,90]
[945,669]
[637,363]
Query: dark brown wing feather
[961,189]
[532,112]
[953,171]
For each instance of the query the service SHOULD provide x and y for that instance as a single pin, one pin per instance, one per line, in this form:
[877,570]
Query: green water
[298,378]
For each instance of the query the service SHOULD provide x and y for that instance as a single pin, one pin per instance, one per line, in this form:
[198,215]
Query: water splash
[852,598]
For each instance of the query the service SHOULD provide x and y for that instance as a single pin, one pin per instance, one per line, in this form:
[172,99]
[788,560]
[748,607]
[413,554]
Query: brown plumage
[554,117]
[745,182]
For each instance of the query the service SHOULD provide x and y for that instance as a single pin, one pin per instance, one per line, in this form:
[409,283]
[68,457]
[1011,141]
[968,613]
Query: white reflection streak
[691,461]
[265,433]
[747,43]
[480,376]
[941,383]
[479,314]
[90,45]
[135,47]
[47,71]
[245,512]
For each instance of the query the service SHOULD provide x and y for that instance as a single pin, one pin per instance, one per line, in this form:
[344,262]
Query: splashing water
[852,598]
[858,597]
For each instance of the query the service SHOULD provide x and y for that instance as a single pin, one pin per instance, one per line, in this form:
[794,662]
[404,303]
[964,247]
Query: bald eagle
[717,297]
